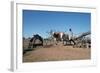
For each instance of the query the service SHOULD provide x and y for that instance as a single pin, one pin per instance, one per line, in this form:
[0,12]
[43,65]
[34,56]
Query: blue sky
[41,22]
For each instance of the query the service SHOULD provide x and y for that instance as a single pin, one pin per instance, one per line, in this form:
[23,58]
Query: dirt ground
[57,53]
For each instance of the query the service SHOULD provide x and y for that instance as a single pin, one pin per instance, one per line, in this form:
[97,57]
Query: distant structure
[35,41]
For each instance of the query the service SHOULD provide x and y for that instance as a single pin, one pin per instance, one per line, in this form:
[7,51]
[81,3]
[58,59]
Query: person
[70,34]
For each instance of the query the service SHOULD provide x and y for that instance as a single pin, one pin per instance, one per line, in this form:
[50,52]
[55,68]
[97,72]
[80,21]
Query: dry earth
[57,53]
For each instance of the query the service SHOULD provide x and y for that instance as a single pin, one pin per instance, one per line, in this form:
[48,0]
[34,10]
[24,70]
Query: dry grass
[57,53]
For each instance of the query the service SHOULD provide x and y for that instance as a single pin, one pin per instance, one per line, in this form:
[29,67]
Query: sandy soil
[57,53]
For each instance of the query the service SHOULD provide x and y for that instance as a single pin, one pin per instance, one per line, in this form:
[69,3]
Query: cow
[65,38]
[58,36]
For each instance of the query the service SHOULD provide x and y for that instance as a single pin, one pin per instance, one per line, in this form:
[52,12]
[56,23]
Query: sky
[41,22]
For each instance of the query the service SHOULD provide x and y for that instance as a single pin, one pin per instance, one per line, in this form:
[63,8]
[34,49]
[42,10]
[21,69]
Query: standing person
[70,34]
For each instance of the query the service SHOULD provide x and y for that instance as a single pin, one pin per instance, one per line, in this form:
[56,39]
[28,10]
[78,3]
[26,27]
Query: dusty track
[57,53]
